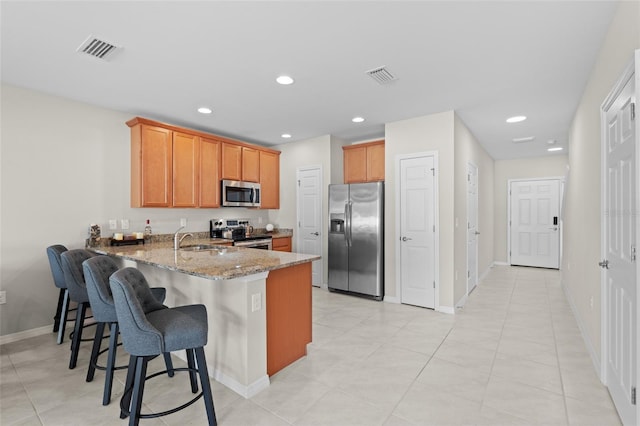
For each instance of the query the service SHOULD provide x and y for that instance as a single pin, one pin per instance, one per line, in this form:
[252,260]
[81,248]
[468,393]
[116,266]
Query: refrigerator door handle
[346,224]
[350,224]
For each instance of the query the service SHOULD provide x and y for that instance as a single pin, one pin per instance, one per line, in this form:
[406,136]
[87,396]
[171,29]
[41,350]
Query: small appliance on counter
[240,232]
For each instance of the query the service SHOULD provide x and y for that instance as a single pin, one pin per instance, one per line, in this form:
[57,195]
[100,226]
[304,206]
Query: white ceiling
[485,60]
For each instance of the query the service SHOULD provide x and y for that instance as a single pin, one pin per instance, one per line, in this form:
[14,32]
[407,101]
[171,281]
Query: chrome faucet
[177,240]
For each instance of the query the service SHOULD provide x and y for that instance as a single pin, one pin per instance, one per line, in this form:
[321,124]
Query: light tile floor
[512,356]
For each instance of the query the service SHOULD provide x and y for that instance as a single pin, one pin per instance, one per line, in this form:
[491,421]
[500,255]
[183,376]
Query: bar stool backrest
[53,253]
[97,271]
[73,274]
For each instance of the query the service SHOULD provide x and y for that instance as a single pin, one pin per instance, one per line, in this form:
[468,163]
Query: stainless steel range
[240,231]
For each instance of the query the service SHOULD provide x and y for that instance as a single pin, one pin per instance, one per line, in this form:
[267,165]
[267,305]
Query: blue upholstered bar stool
[62,311]
[97,271]
[74,277]
[149,329]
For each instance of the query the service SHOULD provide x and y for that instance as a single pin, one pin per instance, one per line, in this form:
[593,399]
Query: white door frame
[436,197]
[633,66]
[323,234]
[560,213]
[472,164]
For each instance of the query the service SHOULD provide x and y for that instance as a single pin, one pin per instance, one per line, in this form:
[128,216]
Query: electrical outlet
[113,224]
[256,302]
[124,223]
[3,297]
[183,221]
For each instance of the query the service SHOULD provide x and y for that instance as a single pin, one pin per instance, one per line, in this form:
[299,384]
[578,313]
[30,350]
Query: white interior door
[309,200]
[472,227]
[417,231]
[535,223]
[619,250]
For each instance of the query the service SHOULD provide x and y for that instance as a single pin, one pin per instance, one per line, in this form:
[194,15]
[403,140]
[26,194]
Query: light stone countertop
[220,264]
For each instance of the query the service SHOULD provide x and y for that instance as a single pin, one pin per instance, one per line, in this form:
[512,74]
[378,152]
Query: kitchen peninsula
[258,303]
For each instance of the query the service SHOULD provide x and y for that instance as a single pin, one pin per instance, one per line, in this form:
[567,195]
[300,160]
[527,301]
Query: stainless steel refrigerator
[356,239]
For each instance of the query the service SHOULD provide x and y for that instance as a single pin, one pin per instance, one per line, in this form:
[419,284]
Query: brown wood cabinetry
[240,163]
[288,315]
[176,167]
[209,172]
[151,166]
[364,162]
[281,244]
[270,179]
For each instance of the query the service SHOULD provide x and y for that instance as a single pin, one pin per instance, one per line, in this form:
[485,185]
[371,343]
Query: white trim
[21,335]
[436,197]
[446,310]
[463,300]
[389,299]
[242,390]
[500,263]
[470,163]
[560,212]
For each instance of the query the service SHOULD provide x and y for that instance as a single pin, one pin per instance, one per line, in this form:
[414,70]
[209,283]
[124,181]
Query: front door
[472,227]
[309,199]
[417,231]
[619,248]
[535,223]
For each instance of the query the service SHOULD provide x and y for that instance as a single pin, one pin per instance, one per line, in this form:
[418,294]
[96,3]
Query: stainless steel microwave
[240,194]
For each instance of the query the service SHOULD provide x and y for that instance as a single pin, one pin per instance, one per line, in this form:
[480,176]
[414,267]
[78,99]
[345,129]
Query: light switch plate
[124,223]
[183,221]
[113,224]
[256,302]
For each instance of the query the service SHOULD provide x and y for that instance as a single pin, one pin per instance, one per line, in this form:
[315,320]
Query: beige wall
[65,165]
[525,168]
[468,150]
[581,274]
[422,134]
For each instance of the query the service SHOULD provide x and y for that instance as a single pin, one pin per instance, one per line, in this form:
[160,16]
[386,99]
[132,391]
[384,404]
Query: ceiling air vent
[381,75]
[97,48]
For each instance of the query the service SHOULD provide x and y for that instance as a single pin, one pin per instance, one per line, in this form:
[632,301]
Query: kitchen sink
[200,247]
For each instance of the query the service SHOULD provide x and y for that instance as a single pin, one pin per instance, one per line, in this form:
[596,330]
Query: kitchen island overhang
[259,322]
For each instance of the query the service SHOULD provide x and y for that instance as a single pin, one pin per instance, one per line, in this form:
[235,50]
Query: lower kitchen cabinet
[281,244]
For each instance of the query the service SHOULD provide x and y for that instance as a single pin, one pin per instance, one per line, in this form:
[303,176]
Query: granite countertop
[219,264]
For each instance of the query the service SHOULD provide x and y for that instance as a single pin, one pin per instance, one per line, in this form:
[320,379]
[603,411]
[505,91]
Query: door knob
[315,233]
[554,228]
[477,233]
[604,264]
[405,239]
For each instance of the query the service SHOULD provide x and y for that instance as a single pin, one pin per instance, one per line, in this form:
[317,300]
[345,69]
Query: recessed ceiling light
[525,139]
[286,135]
[204,110]
[285,80]
[357,119]
[557,148]
[516,119]
[551,142]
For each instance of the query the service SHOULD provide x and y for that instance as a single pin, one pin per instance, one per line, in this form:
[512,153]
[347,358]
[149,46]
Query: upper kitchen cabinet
[240,163]
[270,179]
[364,162]
[176,167]
[209,172]
[186,169]
[151,166]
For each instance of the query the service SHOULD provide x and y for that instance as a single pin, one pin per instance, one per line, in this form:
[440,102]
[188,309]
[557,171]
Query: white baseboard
[10,338]
[246,391]
[462,301]
[497,263]
[446,309]
[595,356]
[390,299]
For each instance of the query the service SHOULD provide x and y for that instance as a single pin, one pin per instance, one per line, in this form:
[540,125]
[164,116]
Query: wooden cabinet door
[250,164]
[355,164]
[186,169]
[281,244]
[375,162]
[209,172]
[153,160]
[270,180]
[231,161]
